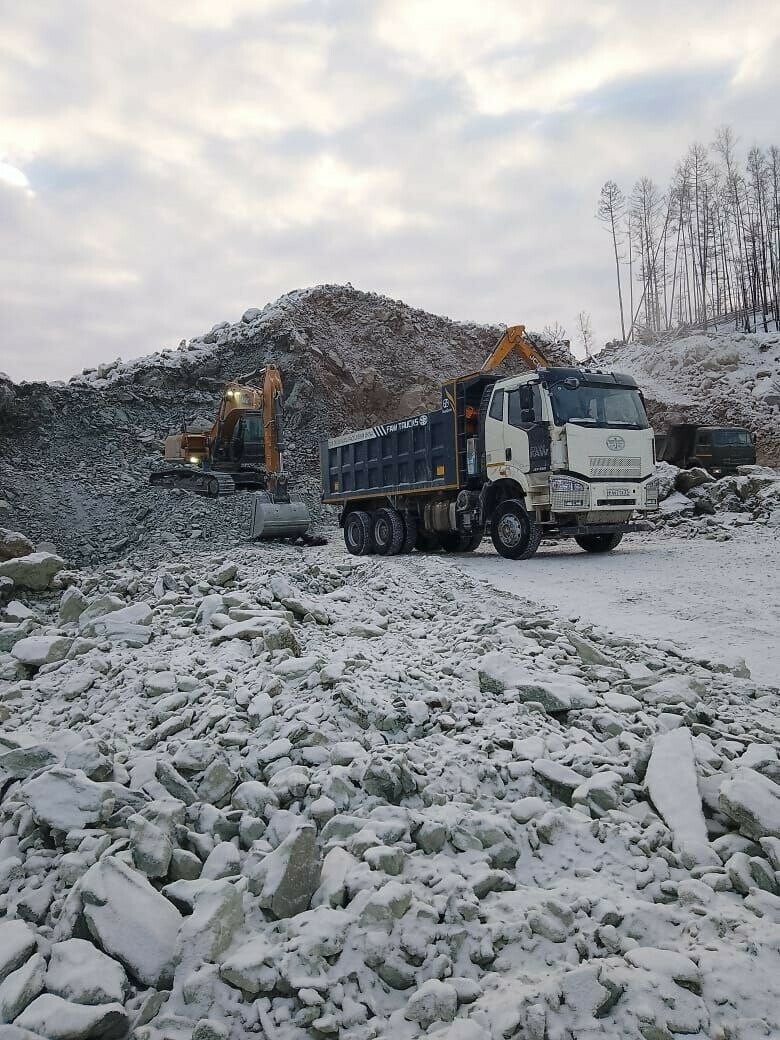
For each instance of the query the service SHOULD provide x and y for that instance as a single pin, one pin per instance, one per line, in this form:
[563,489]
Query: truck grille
[620,467]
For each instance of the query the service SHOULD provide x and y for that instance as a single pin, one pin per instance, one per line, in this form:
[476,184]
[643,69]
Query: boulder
[72,604]
[130,920]
[434,1001]
[56,1019]
[691,478]
[21,987]
[66,799]
[36,651]
[13,544]
[752,801]
[34,571]
[83,974]
[17,945]
[287,878]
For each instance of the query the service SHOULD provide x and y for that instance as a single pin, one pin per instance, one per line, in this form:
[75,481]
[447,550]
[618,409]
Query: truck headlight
[651,493]
[567,494]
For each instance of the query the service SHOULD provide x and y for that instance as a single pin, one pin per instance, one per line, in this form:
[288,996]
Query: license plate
[617,492]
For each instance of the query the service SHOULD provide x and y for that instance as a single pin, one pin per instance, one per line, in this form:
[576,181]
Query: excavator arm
[514,338]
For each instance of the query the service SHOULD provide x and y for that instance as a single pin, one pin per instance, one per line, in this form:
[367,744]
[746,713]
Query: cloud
[13,177]
[166,166]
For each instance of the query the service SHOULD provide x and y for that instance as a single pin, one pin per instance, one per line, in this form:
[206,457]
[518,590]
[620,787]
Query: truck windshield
[731,437]
[594,405]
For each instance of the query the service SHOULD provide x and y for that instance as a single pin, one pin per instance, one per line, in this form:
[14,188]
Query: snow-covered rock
[672,785]
[57,1019]
[287,878]
[83,974]
[130,920]
[66,799]
[34,571]
[752,801]
[36,651]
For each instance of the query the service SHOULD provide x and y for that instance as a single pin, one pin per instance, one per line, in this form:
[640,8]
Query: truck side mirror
[572,383]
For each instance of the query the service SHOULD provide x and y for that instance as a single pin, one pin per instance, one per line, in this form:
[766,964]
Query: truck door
[494,432]
[526,436]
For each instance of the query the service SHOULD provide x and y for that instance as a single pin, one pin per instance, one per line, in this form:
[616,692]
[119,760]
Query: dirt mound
[75,457]
[728,378]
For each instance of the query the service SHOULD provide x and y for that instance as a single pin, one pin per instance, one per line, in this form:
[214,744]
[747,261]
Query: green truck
[718,449]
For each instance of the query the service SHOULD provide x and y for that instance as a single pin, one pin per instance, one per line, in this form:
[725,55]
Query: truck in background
[554,452]
[718,449]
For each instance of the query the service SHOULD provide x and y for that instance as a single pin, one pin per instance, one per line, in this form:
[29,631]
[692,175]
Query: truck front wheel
[598,543]
[357,533]
[515,535]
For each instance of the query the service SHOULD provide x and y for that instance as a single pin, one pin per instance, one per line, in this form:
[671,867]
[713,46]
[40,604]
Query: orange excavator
[242,450]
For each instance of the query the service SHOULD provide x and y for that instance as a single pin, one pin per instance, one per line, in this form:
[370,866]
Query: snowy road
[718,599]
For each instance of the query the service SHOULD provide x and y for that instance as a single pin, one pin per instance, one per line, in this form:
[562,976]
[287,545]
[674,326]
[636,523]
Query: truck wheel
[388,531]
[357,533]
[410,532]
[427,541]
[475,539]
[514,533]
[460,541]
[598,543]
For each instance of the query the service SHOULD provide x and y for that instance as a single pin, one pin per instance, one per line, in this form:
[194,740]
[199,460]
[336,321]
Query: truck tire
[460,541]
[410,532]
[427,541]
[515,535]
[598,543]
[357,533]
[475,539]
[388,531]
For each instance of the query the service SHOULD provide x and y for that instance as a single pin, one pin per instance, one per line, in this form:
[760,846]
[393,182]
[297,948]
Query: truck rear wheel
[515,535]
[357,533]
[388,531]
[598,543]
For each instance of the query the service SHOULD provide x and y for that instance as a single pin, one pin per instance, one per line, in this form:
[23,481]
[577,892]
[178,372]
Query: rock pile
[323,796]
[75,458]
[693,502]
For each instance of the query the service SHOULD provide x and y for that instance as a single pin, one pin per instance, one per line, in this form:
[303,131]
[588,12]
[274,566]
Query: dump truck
[241,450]
[555,452]
[718,449]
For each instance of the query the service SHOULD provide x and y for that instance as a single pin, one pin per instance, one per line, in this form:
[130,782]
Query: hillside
[709,377]
[75,457]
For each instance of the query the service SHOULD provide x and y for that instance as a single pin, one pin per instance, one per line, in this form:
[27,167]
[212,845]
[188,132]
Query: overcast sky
[164,165]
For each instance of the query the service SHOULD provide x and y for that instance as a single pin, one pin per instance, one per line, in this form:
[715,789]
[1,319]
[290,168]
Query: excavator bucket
[275,519]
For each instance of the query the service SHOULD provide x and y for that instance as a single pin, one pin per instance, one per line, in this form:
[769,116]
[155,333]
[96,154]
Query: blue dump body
[400,457]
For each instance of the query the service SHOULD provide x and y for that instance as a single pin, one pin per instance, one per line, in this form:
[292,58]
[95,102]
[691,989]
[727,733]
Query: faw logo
[615,443]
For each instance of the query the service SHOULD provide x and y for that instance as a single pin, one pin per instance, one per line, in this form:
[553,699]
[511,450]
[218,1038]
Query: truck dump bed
[415,454]
[430,452]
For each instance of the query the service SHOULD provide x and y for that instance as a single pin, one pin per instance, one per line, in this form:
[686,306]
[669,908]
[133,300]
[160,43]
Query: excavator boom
[514,338]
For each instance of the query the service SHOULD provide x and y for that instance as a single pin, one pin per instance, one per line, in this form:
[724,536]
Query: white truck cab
[578,443]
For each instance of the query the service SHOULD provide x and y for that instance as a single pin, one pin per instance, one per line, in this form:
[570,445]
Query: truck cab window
[497,406]
[524,406]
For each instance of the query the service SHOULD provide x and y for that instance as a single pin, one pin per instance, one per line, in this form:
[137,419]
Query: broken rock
[131,920]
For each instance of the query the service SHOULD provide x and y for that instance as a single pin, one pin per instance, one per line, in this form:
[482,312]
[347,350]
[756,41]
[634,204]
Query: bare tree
[708,250]
[610,212]
[555,333]
[585,333]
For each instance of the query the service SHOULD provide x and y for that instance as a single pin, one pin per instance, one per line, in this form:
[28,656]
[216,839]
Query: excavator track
[201,482]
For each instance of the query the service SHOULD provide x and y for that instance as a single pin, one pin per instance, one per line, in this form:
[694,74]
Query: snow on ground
[301,795]
[717,600]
